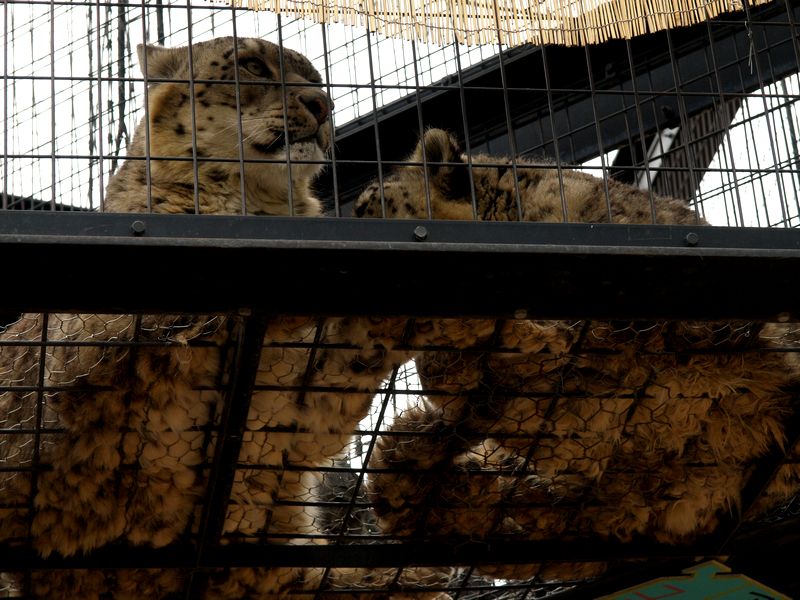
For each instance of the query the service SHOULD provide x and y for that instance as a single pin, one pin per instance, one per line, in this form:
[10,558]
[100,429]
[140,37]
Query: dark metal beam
[249,339]
[450,553]
[98,263]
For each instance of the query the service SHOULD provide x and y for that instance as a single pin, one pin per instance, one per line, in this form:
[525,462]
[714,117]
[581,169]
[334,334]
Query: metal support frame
[249,335]
[207,264]
[430,553]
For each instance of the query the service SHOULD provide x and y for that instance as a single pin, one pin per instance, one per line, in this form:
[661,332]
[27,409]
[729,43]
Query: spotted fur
[204,133]
[440,182]
[124,455]
[552,428]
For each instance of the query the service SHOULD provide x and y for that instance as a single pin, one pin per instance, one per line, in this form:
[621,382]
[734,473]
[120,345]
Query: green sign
[707,581]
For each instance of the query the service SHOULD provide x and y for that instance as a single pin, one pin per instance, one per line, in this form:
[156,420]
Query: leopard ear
[440,147]
[450,180]
[160,62]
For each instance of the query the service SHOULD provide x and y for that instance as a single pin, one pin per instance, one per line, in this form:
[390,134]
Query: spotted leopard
[551,428]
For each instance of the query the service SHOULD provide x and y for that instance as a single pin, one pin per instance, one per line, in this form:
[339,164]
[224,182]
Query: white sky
[763,135]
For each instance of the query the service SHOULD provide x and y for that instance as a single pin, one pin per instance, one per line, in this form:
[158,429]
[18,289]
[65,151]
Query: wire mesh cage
[393,319]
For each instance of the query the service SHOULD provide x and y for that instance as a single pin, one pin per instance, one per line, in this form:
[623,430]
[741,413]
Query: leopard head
[240,106]
[435,183]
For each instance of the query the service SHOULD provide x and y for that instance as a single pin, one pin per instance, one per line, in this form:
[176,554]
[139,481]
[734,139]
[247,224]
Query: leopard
[543,429]
[245,134]
[440,182]
[117,413]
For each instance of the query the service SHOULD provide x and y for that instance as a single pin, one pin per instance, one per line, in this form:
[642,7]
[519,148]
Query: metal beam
[102,263]
[378,555]
[249,339]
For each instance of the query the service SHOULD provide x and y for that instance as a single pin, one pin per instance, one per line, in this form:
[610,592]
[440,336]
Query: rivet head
[692,239]
[520,314]
[420,233]
[138,228]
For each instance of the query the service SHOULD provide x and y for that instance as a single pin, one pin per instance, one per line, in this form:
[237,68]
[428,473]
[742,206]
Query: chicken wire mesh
[613,438]
[439,456]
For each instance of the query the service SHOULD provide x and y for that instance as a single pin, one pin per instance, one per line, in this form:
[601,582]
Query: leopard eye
[256,66]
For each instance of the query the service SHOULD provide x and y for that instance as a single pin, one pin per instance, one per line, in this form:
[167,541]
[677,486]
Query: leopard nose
[318,103]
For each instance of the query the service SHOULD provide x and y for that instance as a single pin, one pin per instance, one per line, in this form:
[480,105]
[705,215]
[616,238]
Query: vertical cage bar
[193,109]
[285,100]
[373,87]
[464,123]
[238,100]
[5,107]
[248,333]
[337,210]
[53,145]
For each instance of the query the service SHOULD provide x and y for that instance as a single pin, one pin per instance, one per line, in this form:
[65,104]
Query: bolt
[420,233]
[691,239]
[520,314]
[138,228]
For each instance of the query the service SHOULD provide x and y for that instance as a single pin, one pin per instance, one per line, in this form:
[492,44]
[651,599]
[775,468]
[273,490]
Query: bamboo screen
[509,22]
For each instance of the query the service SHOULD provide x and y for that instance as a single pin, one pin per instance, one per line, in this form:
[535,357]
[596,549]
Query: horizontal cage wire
[597,395]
